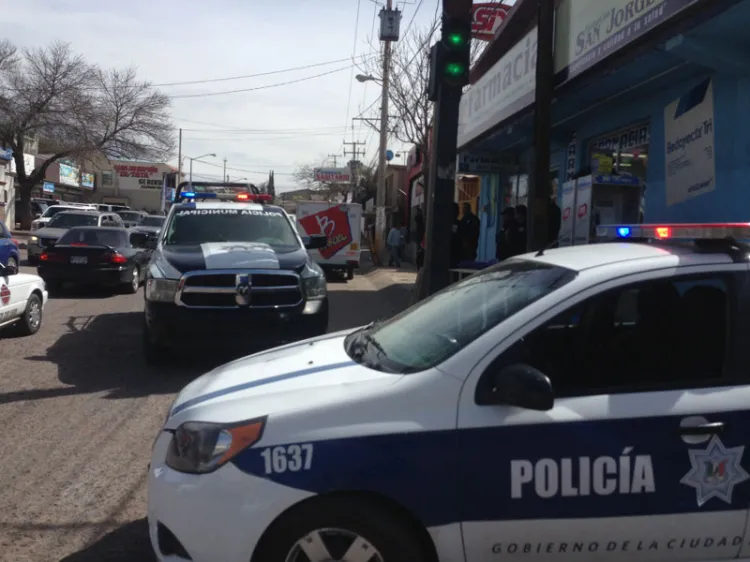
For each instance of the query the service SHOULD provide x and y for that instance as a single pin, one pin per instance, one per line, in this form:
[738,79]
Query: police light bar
[254,197]
[197,195]
[683,231]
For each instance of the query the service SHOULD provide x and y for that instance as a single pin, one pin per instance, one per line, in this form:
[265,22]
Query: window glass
[428,334]
[661,333]
[69,220]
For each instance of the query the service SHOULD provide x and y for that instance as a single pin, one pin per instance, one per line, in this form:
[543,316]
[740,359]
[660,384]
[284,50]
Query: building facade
[135,183]
[648,119]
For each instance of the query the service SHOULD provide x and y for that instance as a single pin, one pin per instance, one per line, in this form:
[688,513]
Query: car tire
[386,532]
[32,261]
[132,287]
[350,273]
[31,321]
[154,353]
[12,262]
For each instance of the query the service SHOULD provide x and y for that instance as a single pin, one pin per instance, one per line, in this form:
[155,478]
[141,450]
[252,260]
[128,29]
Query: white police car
[22,300]
[587,403]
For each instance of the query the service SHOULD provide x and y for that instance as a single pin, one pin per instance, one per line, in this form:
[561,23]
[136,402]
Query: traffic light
[456,42]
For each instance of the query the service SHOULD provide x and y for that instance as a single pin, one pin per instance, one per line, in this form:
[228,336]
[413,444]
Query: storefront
[648,123]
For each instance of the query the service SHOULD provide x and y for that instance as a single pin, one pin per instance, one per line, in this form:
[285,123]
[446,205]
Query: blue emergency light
[187,194]
[678,231]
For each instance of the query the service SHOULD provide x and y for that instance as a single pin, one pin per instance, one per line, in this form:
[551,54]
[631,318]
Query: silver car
[131,218]
[59,225]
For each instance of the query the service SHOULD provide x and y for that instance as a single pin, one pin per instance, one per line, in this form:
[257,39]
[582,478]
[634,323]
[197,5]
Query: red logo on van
[334,223]
[4,294]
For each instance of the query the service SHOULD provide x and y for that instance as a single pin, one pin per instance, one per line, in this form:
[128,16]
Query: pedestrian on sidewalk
[393,241]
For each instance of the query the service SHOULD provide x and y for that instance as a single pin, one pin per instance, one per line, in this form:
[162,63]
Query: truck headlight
[314,282]
[33,239]
[161,290]
[201,447]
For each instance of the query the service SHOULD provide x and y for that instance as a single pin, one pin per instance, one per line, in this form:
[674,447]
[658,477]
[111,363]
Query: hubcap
[35,314]
[333,545]
[136,274]
[12,263]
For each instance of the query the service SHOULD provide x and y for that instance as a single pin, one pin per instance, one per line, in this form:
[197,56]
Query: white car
[22,300]
[583,403]
[47,216]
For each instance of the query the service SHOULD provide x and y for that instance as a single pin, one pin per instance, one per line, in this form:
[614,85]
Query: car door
[642,456]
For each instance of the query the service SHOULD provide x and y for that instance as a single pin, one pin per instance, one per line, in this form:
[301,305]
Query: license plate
[79,259]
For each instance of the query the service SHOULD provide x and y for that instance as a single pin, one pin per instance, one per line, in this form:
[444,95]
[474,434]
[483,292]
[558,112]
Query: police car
[22,300]
[582,403]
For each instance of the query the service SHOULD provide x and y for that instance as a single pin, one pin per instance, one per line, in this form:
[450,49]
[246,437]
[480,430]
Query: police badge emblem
[715,471]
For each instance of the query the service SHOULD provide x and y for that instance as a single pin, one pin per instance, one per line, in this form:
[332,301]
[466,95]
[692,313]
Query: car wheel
[132,287]
[31,320]
[153,353]
[328,529]
[12,262]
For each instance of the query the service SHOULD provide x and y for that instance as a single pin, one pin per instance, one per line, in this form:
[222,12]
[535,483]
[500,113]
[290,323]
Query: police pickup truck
[584,403]
[231,271]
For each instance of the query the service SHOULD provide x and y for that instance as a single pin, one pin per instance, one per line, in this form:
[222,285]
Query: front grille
[240,289]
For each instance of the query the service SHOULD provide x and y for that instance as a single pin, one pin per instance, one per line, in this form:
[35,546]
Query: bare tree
[7,54]
[76,111]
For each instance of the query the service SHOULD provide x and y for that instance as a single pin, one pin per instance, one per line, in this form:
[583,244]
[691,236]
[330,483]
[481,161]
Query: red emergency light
[254,197]
[677,231]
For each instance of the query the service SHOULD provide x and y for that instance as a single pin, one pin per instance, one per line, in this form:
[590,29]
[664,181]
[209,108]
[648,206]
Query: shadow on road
[125,544]
[84,292]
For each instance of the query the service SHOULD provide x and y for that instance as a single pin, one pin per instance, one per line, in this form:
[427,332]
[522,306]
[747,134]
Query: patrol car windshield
[69,220]
[426,335]
[200,226]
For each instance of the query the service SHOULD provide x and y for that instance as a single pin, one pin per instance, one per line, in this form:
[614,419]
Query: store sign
[507,88]
[6,154]
[140,176]
[624,140]
[486,19]
[48,187]
[588,31]
[87,180]
[689,144]
[484,164]
[332,175]
[68,175]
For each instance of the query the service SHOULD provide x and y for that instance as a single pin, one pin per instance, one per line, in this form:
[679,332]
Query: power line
[244,170]
[269,73]
[287,83]
[261,138]
[351,74]
[265,131]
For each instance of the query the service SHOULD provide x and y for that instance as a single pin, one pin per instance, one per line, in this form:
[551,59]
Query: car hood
[49,232]
[173,261]
[148,229]
[286,378]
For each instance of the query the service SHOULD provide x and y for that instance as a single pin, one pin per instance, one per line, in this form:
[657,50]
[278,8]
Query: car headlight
[200,447]
[161,290]
[33,239]
[314,282]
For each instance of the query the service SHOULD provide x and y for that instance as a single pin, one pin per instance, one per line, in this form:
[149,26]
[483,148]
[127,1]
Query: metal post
[191,170]
[540,186]
[380,221]
[179,161]
[226,178]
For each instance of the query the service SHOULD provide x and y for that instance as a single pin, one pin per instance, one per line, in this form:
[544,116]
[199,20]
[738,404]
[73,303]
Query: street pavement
[80,410]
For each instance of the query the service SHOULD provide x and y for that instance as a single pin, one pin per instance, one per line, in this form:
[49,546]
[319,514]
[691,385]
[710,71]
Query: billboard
[332,175]
[68,175]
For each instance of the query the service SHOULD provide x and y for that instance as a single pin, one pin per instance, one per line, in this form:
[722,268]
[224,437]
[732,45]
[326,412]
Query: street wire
[351,74]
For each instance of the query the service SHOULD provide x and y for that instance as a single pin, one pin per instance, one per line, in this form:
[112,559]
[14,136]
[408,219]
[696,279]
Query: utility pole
[355,153]
[225,176]
[335,159]
[449,73]
[179,160]
[390,20]
[538,236]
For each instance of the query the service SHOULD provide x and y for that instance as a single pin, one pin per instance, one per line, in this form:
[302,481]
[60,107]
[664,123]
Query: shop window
[107,178]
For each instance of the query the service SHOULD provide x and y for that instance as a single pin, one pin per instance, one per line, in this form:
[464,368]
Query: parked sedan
[10,255]
[59,225]
[111,257]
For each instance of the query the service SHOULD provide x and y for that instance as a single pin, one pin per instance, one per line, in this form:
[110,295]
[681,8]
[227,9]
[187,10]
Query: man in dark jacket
[469,229]
[505,234]
[554,216]
[518,240]
[455,238]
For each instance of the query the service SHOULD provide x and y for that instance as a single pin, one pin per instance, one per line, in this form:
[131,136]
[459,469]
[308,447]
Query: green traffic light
[454,69]
[455,39]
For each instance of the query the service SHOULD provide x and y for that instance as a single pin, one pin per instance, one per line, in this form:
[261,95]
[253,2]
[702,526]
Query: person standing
[519,238]
[455,238]
[393,241]
[554,215]
[469,229]
[506,235]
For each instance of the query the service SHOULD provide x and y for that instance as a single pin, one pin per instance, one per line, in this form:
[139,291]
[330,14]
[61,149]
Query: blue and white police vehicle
[582,403]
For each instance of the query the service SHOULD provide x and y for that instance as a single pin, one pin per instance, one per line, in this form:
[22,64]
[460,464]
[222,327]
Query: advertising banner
[507,88]
[140,176]
[588,31]
[87,180]
[582,215]
[332,175]
[68,175]
[689,144]
[334,223]
[486,19]
[6,154]
[48,187]
[568,211]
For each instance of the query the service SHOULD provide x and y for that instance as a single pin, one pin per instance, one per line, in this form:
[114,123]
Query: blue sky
[182,40]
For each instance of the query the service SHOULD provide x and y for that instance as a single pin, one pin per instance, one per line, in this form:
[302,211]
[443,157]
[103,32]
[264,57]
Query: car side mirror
[6,270]
[316,242]
[138,240]
[523,386]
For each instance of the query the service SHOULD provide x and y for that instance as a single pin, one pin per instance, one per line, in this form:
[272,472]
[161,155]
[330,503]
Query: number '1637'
[285,458]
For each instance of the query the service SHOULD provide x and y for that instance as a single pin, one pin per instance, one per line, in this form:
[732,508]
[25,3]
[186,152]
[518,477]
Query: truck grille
[240,289]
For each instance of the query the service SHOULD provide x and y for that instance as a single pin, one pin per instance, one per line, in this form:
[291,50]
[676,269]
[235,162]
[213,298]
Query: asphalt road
[79,411]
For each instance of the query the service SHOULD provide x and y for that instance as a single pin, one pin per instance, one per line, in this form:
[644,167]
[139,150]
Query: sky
[278,127]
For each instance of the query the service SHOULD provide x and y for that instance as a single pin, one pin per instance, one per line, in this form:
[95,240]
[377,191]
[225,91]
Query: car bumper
[210,517]
[76,274]
[169,324]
